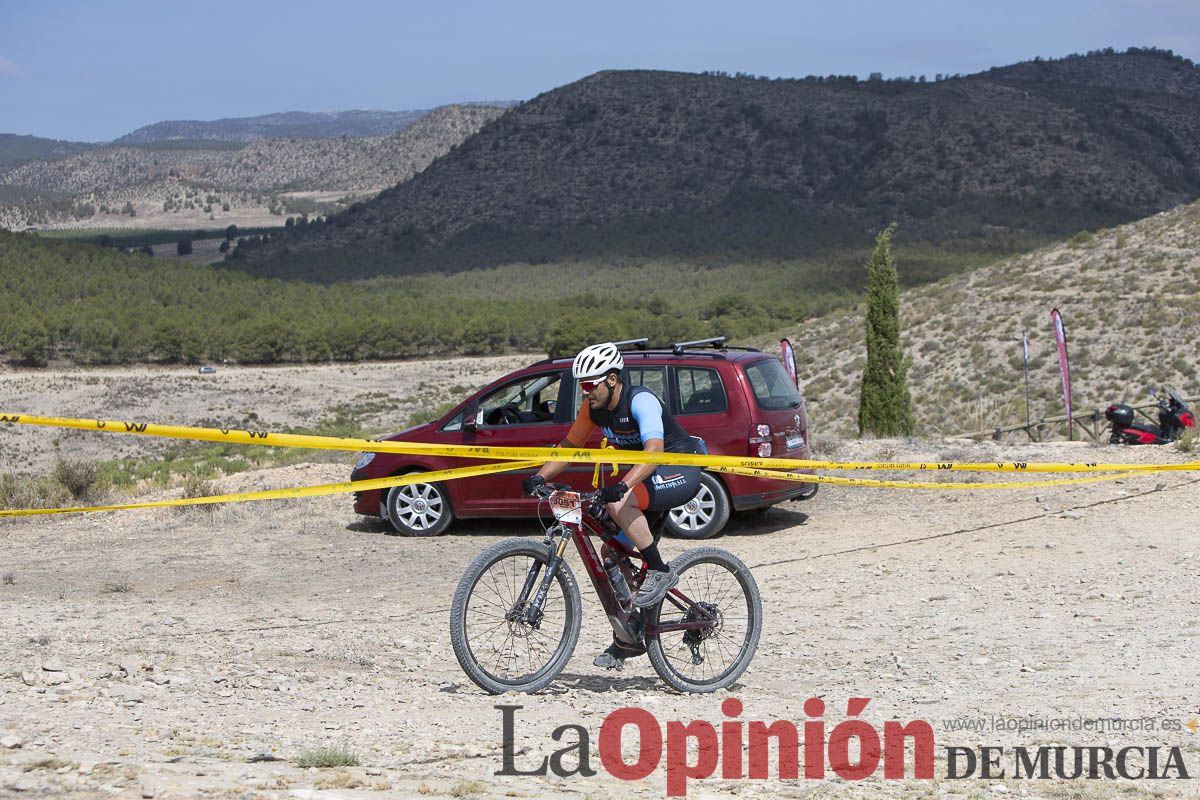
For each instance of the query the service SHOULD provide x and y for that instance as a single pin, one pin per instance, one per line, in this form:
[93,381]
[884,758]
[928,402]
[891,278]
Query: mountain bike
[516,614]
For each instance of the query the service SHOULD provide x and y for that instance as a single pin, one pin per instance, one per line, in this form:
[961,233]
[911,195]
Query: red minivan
[739,400]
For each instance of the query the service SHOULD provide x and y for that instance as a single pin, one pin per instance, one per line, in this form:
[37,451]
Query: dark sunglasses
[589,386]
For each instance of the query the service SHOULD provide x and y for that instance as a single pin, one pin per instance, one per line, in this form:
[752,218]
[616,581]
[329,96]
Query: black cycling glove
[532,484]
[611,494]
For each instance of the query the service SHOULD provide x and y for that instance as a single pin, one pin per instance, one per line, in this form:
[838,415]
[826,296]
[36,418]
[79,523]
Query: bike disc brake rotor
[519,622]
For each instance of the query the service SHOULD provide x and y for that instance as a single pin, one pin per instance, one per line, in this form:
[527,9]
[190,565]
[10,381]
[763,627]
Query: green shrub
[329,756]
[81,478]
[194,485]
[24,491]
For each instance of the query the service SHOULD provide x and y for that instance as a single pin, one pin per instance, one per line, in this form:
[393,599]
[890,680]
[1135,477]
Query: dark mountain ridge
[16,149]
[662,163]
[283,125]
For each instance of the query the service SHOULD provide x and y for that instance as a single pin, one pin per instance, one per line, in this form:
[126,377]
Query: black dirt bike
[516,614]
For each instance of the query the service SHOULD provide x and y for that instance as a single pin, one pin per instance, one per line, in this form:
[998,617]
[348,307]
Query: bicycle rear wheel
[494,644]
[713,585]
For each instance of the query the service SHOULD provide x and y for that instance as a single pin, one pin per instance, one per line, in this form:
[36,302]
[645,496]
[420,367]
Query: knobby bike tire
[477,629]
[720,578]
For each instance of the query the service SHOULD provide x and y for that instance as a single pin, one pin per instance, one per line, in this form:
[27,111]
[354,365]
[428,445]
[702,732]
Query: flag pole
[1025,355]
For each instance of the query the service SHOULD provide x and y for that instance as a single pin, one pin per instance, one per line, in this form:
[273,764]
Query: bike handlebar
[546,489]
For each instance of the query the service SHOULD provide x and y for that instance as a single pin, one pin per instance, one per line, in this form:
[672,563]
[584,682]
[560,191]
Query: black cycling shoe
[614,657]
[655,587]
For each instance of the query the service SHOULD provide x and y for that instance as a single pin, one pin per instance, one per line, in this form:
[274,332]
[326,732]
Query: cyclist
[632,418]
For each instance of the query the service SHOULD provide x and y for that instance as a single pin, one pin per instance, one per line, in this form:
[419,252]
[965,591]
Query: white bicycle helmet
[597,360]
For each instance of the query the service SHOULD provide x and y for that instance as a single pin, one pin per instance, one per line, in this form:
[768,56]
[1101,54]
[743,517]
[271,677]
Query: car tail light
[760,441]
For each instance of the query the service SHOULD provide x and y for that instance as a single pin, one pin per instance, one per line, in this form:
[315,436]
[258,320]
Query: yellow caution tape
[604,445]
[839,481]
[304,491]
[542,454]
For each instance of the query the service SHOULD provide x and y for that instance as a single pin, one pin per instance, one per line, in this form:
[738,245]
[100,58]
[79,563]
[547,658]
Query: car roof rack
[717,342]
[644,349]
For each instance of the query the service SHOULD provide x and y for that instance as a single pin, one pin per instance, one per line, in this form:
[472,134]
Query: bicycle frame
[579,526]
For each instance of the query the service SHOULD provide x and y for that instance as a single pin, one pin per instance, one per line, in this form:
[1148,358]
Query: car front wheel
[705,515]
[418,509]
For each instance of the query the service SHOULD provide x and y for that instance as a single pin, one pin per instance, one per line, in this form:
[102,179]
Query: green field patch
[66,301]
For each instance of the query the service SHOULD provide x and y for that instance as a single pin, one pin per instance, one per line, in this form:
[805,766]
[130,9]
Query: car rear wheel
[705,515]
[418,509]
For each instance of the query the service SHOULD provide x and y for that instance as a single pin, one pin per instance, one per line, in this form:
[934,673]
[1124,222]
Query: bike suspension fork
[533,613]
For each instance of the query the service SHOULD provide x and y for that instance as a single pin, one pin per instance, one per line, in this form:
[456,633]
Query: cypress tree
[885,408]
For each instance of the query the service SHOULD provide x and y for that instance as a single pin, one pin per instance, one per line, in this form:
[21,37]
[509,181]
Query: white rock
[11,742]
[127,695]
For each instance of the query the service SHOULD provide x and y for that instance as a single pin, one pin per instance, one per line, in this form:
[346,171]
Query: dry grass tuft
[328,756]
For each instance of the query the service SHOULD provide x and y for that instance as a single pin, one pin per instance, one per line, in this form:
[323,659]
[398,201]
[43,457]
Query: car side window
[700,391]
[653,378]
[528,401]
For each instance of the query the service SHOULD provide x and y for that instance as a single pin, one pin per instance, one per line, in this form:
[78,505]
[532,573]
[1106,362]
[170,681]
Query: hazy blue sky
[95,70]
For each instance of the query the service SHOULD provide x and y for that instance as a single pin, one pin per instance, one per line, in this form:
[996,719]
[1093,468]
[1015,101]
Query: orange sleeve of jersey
[582,427]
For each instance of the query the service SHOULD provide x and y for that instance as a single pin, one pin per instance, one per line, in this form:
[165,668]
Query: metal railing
[1092,423]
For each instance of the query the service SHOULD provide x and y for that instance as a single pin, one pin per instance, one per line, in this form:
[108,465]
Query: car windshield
[773,389]
[529,400]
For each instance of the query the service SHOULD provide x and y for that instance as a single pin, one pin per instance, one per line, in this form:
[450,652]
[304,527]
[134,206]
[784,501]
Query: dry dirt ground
[381,396]
[185,654]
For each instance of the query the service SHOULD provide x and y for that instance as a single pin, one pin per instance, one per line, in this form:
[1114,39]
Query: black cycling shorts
[667,487]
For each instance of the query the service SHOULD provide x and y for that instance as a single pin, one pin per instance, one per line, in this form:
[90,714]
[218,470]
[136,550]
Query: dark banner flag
[1060,336]
[789,361]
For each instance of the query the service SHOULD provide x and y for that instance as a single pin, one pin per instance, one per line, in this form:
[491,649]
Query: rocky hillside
[1130,298]
[704,165]
[285,125]
[157,180]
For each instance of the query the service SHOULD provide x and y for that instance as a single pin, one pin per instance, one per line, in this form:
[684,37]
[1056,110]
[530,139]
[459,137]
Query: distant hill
[710,166]
[163,181]
[16,150]
[285,125]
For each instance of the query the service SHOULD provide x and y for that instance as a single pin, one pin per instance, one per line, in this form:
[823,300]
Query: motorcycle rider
[632,418]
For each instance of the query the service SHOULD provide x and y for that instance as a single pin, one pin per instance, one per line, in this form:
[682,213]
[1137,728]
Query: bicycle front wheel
[494,640]
[715,588]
